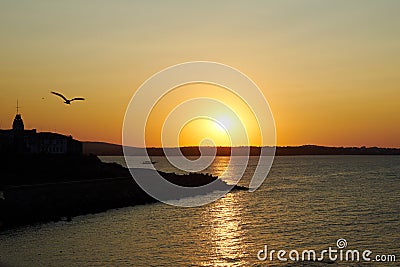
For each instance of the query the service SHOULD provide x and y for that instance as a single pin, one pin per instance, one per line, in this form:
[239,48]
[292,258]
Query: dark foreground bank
[44,188]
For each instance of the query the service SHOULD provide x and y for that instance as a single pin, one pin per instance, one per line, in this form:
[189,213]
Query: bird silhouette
[67,101]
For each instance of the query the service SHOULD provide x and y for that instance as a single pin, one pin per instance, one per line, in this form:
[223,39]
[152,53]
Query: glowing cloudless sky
[329,69]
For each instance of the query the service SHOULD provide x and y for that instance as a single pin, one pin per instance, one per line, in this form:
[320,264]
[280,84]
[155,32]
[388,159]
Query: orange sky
[330,70]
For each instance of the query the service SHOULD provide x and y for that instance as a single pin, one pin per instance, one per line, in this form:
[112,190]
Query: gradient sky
[329,69]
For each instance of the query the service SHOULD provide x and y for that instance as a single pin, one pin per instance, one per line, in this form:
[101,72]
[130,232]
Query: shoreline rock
[39,201]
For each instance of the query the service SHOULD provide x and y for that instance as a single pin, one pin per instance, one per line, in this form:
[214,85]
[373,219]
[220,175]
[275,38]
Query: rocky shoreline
[47,197]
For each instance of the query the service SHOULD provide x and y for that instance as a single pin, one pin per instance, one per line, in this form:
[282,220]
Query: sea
[307,203]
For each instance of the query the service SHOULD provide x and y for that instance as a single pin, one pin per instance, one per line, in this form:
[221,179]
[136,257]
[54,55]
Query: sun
[230,124]
[218,128]
[204,131]
[224,122]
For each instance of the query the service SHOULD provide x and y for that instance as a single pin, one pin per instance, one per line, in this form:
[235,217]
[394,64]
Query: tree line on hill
[106,149]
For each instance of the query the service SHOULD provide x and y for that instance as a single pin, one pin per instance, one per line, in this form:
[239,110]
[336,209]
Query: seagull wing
[77,98]
[60,95]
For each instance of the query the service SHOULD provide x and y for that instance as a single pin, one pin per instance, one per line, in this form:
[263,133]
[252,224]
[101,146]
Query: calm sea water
[305,203]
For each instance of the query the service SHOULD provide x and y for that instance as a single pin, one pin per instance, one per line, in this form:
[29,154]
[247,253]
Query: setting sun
[231,122]
[203,132]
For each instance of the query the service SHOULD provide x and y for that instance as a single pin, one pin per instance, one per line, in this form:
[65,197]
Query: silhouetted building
[20,141]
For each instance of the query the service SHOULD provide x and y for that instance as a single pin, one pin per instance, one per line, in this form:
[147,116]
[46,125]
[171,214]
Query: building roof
[18,123]
[53,135]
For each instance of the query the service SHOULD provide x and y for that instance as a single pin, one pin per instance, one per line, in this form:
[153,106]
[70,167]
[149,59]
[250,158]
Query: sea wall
[45,188]
[26,204]
[53,201]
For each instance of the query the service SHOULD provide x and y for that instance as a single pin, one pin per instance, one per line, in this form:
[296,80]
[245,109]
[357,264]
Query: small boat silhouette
[149,162]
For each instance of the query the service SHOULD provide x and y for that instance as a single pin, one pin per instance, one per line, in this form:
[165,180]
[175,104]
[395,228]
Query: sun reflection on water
[226,235]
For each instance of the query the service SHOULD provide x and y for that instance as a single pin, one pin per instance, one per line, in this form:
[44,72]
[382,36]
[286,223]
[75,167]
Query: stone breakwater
[27,204]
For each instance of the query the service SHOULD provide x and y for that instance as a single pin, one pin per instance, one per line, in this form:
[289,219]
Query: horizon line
[243,146]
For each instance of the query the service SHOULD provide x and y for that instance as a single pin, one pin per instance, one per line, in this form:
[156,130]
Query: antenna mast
[17,107]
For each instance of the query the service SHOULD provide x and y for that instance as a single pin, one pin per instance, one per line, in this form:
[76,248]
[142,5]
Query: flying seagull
[67,101]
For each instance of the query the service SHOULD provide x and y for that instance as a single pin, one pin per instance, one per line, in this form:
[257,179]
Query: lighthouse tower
[18,123]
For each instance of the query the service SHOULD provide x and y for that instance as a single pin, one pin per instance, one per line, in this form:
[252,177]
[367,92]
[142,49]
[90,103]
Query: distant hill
[102,149]
[107,149]
[323,150]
